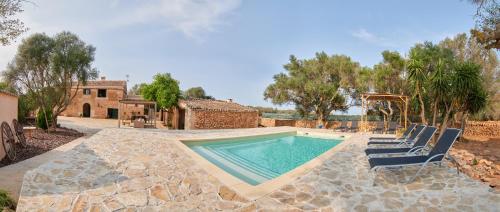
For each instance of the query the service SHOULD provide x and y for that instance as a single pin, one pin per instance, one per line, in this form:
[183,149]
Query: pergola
[368,97]
[131,100]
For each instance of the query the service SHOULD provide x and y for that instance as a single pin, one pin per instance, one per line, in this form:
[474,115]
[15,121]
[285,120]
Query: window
[86,91]
[101,93]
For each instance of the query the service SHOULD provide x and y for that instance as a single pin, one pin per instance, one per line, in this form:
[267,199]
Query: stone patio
[144,170]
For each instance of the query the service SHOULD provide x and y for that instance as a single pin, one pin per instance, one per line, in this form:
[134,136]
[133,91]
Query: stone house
[211,114]
[100,99]
[8,111]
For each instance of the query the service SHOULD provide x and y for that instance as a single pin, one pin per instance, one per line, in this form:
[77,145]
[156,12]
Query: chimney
[103,78]
[229,100]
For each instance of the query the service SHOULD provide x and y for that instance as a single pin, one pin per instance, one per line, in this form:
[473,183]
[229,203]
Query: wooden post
[155,115]
[119,115]
[406,112]
[363,112]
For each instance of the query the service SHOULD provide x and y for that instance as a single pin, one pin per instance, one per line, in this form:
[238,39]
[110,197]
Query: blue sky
[232,48]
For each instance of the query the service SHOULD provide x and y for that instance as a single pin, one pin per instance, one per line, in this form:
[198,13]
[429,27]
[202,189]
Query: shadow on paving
[75,171]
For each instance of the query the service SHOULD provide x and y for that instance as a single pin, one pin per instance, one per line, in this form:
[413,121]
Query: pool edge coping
[251,192]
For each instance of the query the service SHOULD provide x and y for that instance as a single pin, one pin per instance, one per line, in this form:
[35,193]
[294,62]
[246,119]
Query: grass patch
[6,201]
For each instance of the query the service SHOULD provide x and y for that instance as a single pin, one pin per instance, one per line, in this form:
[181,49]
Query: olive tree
[318,85]
[10,27]
[52,69]
[196,93]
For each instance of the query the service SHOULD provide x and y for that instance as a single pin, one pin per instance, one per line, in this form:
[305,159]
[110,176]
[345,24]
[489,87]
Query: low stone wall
[222,120]
[483,129]
[268,122]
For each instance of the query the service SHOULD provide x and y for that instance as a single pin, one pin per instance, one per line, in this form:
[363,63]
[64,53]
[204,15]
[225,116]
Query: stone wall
[206,119]
[8,111]
[98,105]
[268,122]
[483,129]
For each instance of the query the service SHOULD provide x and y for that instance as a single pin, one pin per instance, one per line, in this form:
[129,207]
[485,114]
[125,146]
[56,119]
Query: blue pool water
[258,159]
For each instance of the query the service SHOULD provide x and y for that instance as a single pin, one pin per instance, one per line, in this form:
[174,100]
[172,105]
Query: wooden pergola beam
[367,97]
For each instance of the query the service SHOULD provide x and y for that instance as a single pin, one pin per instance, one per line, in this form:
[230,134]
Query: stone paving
[143,170]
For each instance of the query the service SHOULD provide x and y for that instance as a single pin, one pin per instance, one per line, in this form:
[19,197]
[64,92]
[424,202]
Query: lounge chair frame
[423,165]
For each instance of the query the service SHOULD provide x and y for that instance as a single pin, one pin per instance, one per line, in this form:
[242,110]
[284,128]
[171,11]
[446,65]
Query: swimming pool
[258,159]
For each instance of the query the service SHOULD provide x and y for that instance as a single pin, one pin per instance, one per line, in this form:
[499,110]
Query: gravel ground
[478,157]
[40,142]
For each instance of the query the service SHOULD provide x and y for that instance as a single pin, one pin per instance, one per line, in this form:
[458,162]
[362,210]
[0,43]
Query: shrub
[6,201]
[40,118]
[25,106]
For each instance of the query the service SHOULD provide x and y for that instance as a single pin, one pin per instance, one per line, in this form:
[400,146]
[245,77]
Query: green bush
[25,106]
[6,201]
[40,118]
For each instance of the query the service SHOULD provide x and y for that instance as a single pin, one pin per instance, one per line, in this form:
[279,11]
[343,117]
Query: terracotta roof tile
[214,105]
[107,83]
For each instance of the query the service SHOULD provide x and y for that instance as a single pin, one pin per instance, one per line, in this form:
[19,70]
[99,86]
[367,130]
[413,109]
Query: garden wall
[473,128]
[8,111]
[268,122]
[201,119]
[483,129]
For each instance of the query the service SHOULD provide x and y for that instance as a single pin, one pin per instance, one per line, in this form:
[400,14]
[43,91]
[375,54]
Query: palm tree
[418,76]
[440,87]
[468,94]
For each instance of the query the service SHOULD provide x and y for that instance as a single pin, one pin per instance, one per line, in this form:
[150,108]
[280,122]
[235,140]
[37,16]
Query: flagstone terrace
[118,169]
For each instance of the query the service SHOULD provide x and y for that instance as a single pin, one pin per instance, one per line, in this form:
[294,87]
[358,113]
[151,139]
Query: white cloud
[364,35]
[89,18]
[368,37]
[193,18]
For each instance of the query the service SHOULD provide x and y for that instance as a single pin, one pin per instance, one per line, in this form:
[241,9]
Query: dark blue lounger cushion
[400,160]
[388,150]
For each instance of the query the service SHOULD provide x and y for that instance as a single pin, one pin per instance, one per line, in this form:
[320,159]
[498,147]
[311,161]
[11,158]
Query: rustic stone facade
[201,119]
[212,114]
[88,102]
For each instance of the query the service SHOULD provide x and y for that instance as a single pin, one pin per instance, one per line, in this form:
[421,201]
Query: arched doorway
[86,110]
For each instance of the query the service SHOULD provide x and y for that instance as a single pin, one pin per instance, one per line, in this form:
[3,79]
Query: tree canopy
[467,48]
[137,89]
[10,27]
[48,67]
[196,93]
[319,85]
[487,30]
[164,90]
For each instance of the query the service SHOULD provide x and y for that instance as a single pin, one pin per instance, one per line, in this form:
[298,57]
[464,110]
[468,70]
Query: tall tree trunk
[465,116]
[54,122]
[321,120]
[444,124]
[391,111]
[434,112]
[422,109]
[46,120]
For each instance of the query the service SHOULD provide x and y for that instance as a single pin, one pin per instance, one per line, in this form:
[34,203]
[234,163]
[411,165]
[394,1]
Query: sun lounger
[404,136]
[354,126]
[342,127]
[410,139]
[436,155]
[393,126]
[419,144]
[379,127]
